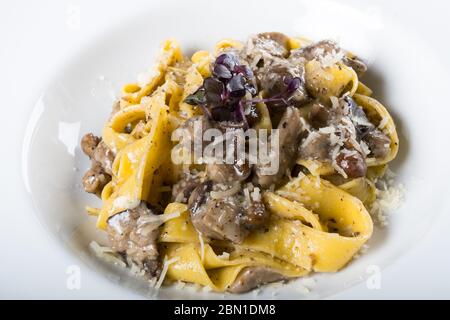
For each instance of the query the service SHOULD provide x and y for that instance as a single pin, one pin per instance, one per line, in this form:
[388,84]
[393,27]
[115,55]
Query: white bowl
[404,75]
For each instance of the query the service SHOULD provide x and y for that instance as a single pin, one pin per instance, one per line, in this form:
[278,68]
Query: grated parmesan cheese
[107,254]
[206,289]
[335,164]
[166,265]
[327,129]
[309,282]
[125,203]
[383,123]
[225,193]
[135,269]
[224,256]
[334,102]
[256,195]
[331,58]
[305,125]
[247,195]
[150,222]
[159,219]
[317,183]
[180,285]
[202,245]
[365,148]
[311,137]
[390,196]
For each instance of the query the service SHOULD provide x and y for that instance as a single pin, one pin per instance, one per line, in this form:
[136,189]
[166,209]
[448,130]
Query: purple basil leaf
[220,59]
[222,71]
[213,98]
[213,85]
[293,84]
[245,70]
[229,60]
[236,86]
[222,114]
[214,90]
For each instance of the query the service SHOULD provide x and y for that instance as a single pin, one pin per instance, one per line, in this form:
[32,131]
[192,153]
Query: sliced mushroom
[323,48]
[256,216]
[252,277]
[224,173]
[378,143]
[262,49]
[95,179]
[319,116]
[290,131]
[220,211]
[353,163]
[134,234]
[182,190]
[104,156]
[88,144]
[316,146]
[216,218]
[316,51]
[278,37]
[356,64]
[274,79]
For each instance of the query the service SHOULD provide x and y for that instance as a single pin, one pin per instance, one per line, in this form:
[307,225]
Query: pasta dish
[304,142]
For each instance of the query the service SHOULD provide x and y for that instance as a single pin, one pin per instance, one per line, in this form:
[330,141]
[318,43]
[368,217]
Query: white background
[37,37]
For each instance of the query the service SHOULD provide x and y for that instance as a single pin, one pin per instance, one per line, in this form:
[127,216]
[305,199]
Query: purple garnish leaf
[228,60]
[236,86]
[222,96]
[214,91]
[221,114]
[222,72]
[282,99]
[293,84]
[245,70]
[213,85]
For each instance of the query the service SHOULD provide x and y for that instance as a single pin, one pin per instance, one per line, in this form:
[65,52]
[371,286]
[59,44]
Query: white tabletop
[39,36]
